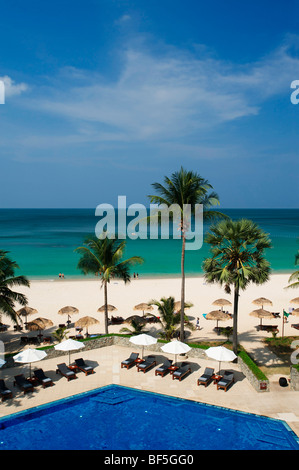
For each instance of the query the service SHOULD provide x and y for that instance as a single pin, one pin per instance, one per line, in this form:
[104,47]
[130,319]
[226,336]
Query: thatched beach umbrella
[221,302]
[261,313]
[295,301]
[25,311]
[39,324]
[217,315]
[68,310]
[177,305]
[136,318]
[262,301]
[85,322]
[143,306]
[110,308]
[295,312]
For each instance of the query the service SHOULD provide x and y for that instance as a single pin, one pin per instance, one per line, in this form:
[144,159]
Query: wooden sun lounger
[147,364]
[206,377]
[24,384]
[164,368]
[130,361]
[64,370]
[181,372]
[225,381]
[80,363]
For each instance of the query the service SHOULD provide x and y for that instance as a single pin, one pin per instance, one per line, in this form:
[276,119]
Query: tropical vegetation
[182,188]
[169,319]
[104,257]
[8,280]
[237,249]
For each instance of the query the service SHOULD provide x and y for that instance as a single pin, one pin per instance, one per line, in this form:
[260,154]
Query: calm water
[42,241]
[109,417]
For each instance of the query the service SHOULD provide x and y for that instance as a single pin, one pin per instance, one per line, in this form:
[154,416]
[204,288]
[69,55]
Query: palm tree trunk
[182,334]
[235,320]
[106,307]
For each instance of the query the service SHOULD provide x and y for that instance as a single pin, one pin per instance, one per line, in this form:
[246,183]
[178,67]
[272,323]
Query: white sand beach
[48,297]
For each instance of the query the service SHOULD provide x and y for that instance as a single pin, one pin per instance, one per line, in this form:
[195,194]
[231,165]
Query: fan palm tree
[186,188]
[104,257]
[237,249]
[8,280]
[168,318]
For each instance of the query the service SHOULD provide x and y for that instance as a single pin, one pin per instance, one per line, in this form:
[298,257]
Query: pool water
[120,418]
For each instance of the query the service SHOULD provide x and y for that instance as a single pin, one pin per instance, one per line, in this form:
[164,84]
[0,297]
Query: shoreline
[142,277]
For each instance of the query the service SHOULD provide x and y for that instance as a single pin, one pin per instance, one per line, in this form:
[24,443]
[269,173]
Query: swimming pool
[120,418]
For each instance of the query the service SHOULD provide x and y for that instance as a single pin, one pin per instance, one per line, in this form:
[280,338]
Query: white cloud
[12,88]
[165,97]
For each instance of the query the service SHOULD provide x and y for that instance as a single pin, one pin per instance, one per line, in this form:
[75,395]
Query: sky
[105,97]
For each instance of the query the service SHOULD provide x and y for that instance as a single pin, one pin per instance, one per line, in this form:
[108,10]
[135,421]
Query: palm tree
[186,187]
[104,257]
[295,275]
[8,280]
[138,328]
[237,259]
[168,318]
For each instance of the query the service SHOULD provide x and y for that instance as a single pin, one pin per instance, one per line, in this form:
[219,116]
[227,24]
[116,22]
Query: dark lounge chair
[181,372]
[206,377]
[64,370]
[225,381]
[42,378]
[149,362]
[164,368]
[80,363]
[130,361]
[23,383]
[4,391]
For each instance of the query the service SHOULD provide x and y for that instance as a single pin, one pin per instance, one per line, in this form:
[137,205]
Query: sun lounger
[225,381]
[149,362]
[206,377]
[130,361]
[23,383]
[295,325]
[42,378]
[4,391]
[64,370]
[80,363]
[181,372]
[162,370]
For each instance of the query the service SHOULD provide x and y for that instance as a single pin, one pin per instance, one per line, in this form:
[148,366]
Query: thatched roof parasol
[222,302]
[262,301]
[261,313]
[136,318]
[295,312]
[295,301]
[25,311]
[68,310]
[39,324]
[143,306]
[85,322]
[217,315]
[177,305]
[110,308]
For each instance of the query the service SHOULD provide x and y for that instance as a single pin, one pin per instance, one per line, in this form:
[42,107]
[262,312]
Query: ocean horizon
[42,242]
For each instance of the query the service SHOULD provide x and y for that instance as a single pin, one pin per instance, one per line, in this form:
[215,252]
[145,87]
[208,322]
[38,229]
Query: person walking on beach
[197,323]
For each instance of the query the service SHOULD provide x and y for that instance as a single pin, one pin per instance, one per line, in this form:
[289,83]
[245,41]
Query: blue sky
[105,97]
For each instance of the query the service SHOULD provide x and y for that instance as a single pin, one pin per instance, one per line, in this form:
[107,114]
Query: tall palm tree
[168,318]
[294,276]
[8,280]
[237,249]
[104,257]
[186,187]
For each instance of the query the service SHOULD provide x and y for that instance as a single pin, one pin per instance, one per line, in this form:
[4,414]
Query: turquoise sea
[42,242]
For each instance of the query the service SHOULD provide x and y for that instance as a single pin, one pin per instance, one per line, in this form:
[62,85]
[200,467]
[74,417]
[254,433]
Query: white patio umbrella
[69,345]
[29,355]
[143,340]
[175,347]
[221,354]
[2,362]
